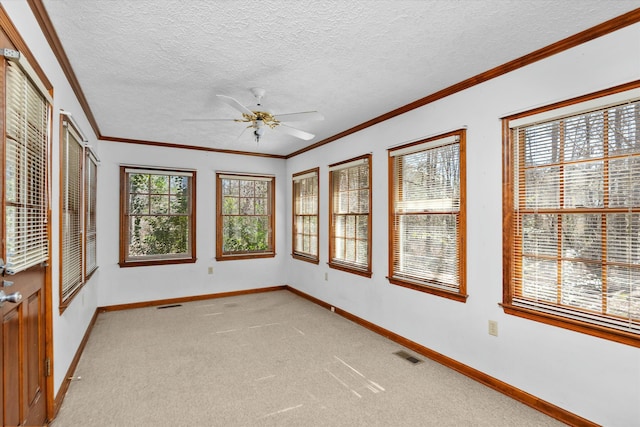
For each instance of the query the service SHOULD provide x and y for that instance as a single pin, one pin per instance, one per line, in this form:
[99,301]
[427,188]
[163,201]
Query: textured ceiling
[145,65]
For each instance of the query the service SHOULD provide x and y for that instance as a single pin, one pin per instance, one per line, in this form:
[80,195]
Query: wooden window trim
[347,267]
[508,262]
[271,253]
[461,294]
[124,261]
[302,256]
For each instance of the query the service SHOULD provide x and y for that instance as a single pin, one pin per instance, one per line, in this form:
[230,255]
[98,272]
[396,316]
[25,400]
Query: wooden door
[25,116]
[23,352]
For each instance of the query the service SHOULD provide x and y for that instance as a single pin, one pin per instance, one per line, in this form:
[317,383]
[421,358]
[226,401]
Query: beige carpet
[269,359]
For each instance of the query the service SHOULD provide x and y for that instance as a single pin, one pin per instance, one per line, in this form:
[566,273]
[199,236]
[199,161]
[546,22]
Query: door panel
[23,350]
[11,356]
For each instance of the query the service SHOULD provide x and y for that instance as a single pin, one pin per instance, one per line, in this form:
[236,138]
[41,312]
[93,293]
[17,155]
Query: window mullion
[603,218]
[561,206]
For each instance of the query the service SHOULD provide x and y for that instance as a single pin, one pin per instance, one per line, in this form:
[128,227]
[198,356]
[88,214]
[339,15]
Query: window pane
[624,182]
[540,279]
[582,236]
[624,130]
[542,144]
[623,291]
[584,137]
[428,247]
[159,205]
[178,204]
[139,183]
[582,285]
[159,184]
[231,187]
[623,238]
[138,204]
[542,188]
[540,234]
[230,206]
[584,185]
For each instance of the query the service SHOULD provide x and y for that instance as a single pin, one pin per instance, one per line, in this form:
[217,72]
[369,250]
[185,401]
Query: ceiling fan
[260,119]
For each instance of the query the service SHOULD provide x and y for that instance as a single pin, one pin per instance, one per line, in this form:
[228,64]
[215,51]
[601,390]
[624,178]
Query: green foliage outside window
[159,214]
[245,215]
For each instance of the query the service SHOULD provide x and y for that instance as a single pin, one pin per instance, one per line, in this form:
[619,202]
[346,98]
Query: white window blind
[91,186]
[305,214]
[350,214]
[27,126]
[72,156]
[426,214]
[576,250]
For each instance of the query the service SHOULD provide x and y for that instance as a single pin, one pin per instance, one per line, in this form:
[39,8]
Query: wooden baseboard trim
[62,391]
[485,379]
[179,300]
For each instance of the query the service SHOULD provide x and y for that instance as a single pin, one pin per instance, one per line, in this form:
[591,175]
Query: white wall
[594,378]
[137,284]
[68,328]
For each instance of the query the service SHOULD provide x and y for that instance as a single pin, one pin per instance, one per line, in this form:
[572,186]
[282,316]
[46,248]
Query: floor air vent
[170,306]
[407,356]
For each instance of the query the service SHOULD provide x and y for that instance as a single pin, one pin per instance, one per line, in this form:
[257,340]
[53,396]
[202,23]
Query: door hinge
[47,367]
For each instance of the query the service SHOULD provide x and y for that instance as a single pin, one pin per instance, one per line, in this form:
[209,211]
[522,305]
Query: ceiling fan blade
[235,104]
[294,132]
[299,117]
[208,120]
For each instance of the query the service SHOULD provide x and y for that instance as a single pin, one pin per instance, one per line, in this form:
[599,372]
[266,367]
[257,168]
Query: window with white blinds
[305,215]
[90,238]
[575,229]
[426,227]
[27,127]
[71,226]
[350,219]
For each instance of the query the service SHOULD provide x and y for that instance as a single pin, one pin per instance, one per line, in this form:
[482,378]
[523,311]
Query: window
[157,216]
[350,218]
[245,220]
[26,171]
[90,230]
[305,215]
[71,211]
[427,223]
[78,172]
[572,215]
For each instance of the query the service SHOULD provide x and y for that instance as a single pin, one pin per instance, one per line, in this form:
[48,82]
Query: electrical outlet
[210,270]
[493,328]
[326,277]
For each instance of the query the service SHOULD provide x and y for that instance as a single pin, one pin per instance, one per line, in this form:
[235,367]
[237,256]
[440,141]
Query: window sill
[301,257]
[147,262]
[233,257]
[574,325]
[429,289]
[350,269]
